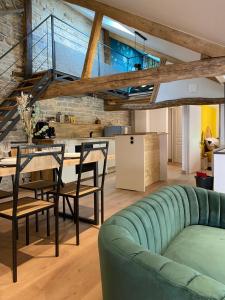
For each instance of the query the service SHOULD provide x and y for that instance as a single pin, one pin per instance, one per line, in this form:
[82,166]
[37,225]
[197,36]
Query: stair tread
[32,79]
[13,98]
[7,108]
[24,88]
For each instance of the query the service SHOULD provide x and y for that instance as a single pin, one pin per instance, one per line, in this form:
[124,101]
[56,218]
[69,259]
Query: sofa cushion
[201,248]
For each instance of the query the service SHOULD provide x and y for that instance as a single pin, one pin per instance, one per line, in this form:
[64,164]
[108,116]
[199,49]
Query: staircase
[35,87]
[44,39]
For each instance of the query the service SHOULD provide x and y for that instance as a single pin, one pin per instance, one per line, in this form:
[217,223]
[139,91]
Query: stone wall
[11,31]
[85,109]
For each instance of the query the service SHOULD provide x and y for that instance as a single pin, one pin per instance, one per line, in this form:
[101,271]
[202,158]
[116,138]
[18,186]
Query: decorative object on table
[66,119]
[204,181]
[62,118]
[58,116]
[72,119]
[98,121]
[44,131]
[29,115]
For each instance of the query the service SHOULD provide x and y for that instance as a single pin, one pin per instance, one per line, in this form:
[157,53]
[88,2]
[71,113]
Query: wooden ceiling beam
[166,73]
[123,105]
[164,32]
[92,46]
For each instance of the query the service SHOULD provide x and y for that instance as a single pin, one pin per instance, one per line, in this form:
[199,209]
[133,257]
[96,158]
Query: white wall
[191,128]
[141,120]
[151,120]
[199,87]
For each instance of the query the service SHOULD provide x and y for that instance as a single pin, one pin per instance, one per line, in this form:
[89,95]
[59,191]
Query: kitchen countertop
[87,138]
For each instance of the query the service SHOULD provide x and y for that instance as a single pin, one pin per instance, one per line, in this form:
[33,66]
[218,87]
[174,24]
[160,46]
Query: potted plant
[29,115]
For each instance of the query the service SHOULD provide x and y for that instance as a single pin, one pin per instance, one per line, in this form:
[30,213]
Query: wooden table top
[47,163]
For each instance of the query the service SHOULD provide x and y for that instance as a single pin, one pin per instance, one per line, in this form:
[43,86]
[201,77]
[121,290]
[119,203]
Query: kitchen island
[141,160]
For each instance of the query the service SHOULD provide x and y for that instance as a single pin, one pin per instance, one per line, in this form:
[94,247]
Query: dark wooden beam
[123,105]
[161,31]
[28,41]
[92,46]
[166,73]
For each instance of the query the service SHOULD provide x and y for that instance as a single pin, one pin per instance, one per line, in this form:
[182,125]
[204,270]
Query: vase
[30,139]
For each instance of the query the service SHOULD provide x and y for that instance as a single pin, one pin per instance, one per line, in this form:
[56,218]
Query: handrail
[24,38]
[123,61]
[85,35]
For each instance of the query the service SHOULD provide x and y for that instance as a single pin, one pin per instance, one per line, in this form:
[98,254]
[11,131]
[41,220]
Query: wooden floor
[75,274]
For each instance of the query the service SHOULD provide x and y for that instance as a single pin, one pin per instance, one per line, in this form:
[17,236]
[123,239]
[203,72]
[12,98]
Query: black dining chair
[75,190]
[40,186]
[29,160]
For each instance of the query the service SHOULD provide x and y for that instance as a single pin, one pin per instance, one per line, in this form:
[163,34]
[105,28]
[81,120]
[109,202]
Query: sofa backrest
[155,220]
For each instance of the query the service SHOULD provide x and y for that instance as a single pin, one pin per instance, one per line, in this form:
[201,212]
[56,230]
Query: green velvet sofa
[168,246]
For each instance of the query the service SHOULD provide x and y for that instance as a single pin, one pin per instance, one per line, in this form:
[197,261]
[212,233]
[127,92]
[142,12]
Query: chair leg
[27,231]
[56,227]
[17,230]
[36,215]
[64,208]
[96,208]
[14,250]
[48,223]
[36,222]
[102,207]
[42,197]
[76,214]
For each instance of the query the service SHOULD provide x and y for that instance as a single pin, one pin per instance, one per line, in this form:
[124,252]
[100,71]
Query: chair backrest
[31,158]
[90,153]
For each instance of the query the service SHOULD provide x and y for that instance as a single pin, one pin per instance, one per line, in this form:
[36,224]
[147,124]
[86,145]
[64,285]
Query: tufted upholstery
[132,243]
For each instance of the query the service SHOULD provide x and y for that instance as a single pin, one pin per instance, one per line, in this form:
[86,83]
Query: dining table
[8,168]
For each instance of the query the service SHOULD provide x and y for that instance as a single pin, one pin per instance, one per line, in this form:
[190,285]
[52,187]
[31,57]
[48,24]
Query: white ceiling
[152,42]
[203,18]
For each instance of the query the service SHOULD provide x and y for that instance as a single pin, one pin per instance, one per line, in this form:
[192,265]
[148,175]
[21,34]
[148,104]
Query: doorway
[175,135]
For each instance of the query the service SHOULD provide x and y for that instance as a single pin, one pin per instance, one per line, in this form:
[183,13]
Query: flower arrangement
[29,115]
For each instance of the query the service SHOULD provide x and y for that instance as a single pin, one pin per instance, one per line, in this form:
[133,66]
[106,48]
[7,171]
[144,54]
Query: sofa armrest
[129,272]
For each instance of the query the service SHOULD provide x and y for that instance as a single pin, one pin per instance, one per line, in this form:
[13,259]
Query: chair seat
[69,189]
[26,206]
[38,185]
[5,194]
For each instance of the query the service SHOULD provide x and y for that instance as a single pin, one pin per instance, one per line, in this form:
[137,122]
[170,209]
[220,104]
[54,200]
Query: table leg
[96,196]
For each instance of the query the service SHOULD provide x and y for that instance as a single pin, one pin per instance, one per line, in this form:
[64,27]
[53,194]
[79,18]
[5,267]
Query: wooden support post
[28,40]
[92,46]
